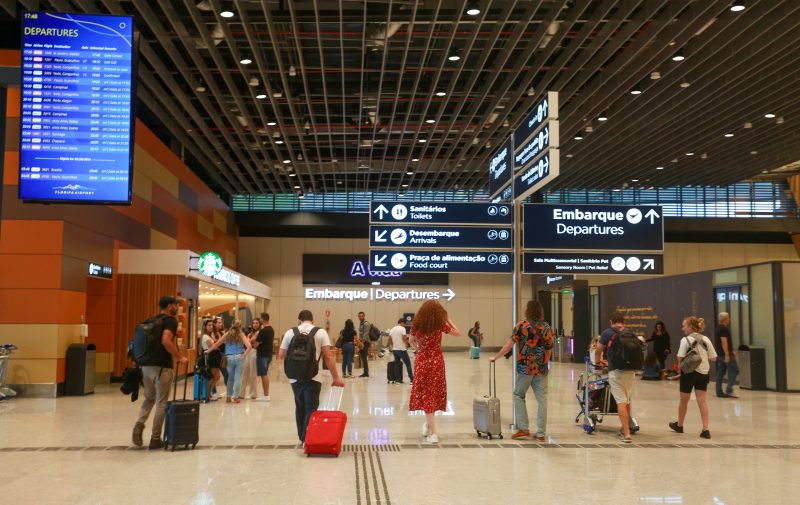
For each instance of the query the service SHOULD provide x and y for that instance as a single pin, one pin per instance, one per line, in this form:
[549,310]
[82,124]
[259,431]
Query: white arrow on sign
[649,264]
[653,215]
[449,294]
[379,235]
[380,261]
[381,210]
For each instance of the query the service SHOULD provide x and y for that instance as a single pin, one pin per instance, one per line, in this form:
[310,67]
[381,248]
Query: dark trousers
[401,357]
[306,401]
[364,353]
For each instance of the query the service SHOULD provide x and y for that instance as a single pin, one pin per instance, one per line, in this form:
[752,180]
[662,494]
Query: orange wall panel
[140,210]
[41,306]
[11,168]
[33,271]
[13,98]
[61,370]
[31,237]
[10,58]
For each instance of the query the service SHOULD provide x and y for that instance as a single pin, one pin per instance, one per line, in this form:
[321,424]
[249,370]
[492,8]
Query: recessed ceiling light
[769,115]
[659,168]
[296,186]
[655,75]
[292,71]
[636,90]
[679,56]
[616,190]
[430,121]
[454,56]
[286,162]
[729,135]
[578,137]
[421,141]
[261,96]
[292,174]
[737,7]
[404,185]
[689,154]
[603,116]
[440,93]
[753,152]
[684,84]
[245,61]
[409,172]
[279,141]
[569,156]
[747,126]
[414,159]
[634,180]
[338,182]
[226,14]
[473,9]
[779,120]
[200,88]
[271,123]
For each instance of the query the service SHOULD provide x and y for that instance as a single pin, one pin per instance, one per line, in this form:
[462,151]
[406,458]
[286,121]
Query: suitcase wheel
[194,445]
[500,436]
[173,448]
[489,436]
[478,432]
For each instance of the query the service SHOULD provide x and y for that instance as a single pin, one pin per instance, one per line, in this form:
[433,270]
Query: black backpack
[147,348]
[625,351]
[374,333]
[301,358]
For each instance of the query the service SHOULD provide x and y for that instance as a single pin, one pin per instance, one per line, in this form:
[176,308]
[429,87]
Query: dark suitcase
[390,375]
[325,430]
[181,420]
[486,410]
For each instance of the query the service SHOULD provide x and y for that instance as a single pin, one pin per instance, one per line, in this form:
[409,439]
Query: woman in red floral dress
[429,391]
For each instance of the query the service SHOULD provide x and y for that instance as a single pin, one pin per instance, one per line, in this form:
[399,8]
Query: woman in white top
[213,359]
[697,379]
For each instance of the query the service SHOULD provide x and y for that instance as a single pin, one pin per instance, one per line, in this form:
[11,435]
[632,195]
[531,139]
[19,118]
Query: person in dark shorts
[264,342]
[697,379]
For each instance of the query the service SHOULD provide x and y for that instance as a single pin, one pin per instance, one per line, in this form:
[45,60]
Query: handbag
[693,359]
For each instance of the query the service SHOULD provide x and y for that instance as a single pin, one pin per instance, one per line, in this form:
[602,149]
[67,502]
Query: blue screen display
[77,108]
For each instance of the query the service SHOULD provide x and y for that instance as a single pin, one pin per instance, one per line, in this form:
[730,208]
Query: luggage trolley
[595,399]
[6,350]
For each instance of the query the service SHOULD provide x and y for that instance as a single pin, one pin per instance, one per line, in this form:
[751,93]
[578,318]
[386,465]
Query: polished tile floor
[76,450]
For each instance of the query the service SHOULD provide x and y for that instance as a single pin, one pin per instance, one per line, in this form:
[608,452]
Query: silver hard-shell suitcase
[486,410]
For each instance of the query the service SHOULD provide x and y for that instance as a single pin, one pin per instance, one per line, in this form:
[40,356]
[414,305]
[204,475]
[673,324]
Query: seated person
[652,368]
[592,346]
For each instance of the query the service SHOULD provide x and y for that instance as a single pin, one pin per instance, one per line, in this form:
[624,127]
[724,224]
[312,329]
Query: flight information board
[77,119]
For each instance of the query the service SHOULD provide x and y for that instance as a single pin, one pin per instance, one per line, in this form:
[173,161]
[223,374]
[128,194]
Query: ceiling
[345,91]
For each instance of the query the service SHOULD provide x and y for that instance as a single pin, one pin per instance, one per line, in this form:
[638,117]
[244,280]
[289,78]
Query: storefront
[146,275]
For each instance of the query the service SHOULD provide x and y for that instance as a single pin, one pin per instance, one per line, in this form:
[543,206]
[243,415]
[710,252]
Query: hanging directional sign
[440,213]
[593,227]
[525,155]
[440,261]
[501,168]
[464,237]
[533,178]
[545,110]
[589,263]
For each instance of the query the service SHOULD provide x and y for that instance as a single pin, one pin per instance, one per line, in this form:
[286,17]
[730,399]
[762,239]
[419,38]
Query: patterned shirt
[533,339]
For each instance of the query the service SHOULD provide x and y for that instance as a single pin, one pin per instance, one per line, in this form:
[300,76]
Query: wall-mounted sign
[102,271]
[593,227]
[441,261]
[464,237]
[378,294]
[352,269]
[526,154]
[209,263]
[485,214]
[537,175]
[228,277]
[545,110]
[589,263]
[77,117]
[501,168]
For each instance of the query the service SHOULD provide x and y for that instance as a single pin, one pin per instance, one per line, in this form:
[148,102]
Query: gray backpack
[693,358]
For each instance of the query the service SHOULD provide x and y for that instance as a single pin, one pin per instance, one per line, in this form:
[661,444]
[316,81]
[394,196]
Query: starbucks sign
[209,263]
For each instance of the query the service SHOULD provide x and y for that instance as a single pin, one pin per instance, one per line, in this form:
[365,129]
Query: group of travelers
[227,353]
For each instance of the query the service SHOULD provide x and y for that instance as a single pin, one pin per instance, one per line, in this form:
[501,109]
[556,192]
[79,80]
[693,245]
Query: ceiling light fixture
[737,6]
[200,88]
[578,137]
[296,186]
[531,91]
[261,96]
[603,116]
[286,162]
[454,56]
[655,75]
[422,141]
[690,154]
[292,174]
[473,9]
[414,159]
[769,115]
[753,152]
[637,90]
[684,84]
[569,156]
[245,61]
[634,180]
[405,185]
[659,168]
[409,171]
[678,56]
[747,126]
[279,142]
[292,71]
[271,123]
[430,121]
[226,14]
[440,93]
[729,135]
[779,120]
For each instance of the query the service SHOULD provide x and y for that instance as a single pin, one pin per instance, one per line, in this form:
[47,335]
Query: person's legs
[702,402]
[225,376]
[215,376]
[733,372]
[163,386]
[348,351]
[430,420]
[311,391]
[682,407]
[299,409]
[621,385]
[539,385]
[662,359]
[364,358]
[235,375]
[520,408]
[407,360]
[149,377]
[398,366]
[624,417]
[722,369]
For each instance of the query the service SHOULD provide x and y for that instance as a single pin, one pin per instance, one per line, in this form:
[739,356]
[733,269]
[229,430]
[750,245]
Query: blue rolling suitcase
[474,352]
[181,421]
[201,384]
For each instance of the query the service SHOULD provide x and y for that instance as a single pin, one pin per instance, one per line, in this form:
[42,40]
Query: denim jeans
[306,401]
[732,369]
[235,367]
[348,352]
[401,357]
[539,385]
[365,357]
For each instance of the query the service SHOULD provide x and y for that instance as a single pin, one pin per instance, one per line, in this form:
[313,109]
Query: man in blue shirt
[620,381]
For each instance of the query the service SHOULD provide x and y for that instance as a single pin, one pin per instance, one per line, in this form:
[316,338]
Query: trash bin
[752,368]
[79,378]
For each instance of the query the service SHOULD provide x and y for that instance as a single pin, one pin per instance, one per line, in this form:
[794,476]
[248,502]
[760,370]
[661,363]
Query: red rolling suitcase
[326,430]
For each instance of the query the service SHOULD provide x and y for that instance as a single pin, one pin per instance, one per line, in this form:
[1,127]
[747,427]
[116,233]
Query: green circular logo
[209,264]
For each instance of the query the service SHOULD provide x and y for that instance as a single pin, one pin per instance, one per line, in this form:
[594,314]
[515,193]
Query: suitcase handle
[492,379]
[185,381]
[329,403]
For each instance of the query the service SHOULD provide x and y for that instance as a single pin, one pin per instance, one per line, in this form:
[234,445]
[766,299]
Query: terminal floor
[76,450]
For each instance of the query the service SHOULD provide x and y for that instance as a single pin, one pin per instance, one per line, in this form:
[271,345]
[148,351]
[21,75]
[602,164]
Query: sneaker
[432,439]
[723,395]
[626,440]
[364,375]
[731,395]
[254,397]
[674,426]
[425,430]
[156,443]
[705,434]
[540,438]
[138,428]
[263,398]
[521,434]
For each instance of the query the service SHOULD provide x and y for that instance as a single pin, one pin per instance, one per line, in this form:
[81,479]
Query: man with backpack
[625,357]
[367,333]
[301,349]
[154,348]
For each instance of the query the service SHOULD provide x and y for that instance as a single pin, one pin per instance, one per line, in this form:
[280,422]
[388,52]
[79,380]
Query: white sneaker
[263,398]
[425,430]
[432,439]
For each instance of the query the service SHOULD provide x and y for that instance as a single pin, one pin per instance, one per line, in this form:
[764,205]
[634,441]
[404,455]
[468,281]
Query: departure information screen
[77,116]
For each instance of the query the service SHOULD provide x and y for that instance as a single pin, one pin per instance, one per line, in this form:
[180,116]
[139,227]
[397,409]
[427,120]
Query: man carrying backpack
[625,357]
[302,348]
[154,348]
[366,334]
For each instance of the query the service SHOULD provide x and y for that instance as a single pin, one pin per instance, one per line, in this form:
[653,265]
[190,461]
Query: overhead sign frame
[440,213]
[588,263]
[449,237]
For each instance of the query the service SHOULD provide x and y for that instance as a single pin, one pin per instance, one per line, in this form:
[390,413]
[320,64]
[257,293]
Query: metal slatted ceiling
[348,87]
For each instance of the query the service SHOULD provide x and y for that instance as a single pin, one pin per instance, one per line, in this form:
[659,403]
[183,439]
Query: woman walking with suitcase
[429,390]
